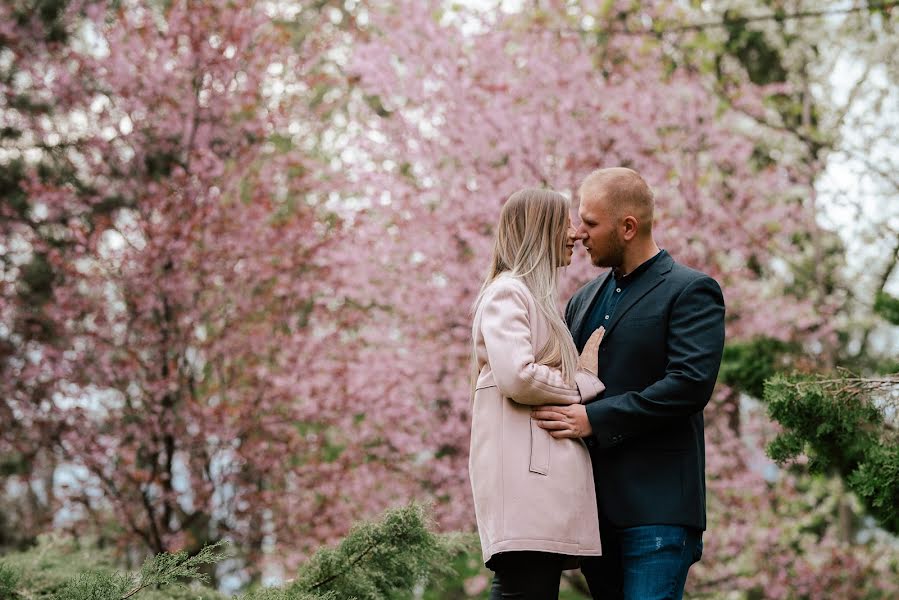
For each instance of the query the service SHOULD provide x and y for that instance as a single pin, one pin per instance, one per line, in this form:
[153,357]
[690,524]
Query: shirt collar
[636,273]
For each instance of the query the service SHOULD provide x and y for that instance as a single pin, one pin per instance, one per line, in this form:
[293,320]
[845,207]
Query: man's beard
[614,258]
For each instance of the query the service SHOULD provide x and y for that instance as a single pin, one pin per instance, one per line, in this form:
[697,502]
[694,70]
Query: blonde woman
[535,502]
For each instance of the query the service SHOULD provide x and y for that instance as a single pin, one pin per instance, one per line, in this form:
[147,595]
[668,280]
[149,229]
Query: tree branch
[728,21]
[352,564]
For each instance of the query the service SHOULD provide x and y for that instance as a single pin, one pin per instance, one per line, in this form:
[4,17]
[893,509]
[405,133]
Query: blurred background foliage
[831,420]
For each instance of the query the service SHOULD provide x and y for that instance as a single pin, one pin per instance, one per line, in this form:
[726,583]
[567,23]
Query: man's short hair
[626,192]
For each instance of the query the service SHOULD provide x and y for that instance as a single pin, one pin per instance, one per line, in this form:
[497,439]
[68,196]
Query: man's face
[599,231]
[570,239]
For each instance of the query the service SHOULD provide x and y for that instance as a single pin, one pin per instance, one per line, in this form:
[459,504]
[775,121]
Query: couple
[591,427]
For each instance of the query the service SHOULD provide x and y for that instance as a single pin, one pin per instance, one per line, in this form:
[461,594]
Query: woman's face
[570,238]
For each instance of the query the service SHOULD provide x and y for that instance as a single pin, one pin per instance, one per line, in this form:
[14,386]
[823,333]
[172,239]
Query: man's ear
[629,225]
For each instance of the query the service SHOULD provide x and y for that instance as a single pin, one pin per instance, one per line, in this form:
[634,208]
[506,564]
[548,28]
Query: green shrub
[52,563]
[746,365]
[838,422]
[9,578]
[385,559]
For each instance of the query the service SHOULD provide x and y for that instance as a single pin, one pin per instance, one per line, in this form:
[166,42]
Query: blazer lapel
[649,280]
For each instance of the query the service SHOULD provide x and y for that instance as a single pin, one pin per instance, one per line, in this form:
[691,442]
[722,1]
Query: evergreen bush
[9,578]
[387,559]
[839,422]
[391,558]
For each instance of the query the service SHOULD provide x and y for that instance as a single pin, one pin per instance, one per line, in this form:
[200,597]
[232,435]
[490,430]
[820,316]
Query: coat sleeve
[694,348]
[506,331]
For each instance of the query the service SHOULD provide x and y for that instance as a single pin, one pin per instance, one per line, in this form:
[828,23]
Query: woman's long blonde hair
[530,246]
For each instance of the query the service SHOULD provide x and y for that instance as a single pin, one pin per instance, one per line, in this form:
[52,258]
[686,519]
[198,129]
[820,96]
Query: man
[659,360]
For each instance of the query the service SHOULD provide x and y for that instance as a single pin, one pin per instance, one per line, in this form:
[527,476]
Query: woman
[534,497]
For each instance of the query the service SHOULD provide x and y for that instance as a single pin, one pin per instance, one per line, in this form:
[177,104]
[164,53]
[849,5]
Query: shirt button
[617,289]
[607,317]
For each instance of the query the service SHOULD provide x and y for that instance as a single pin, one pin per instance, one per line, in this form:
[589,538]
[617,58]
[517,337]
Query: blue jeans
[643,563]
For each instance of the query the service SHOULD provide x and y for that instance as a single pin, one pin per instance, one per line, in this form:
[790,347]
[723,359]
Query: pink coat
[531,491]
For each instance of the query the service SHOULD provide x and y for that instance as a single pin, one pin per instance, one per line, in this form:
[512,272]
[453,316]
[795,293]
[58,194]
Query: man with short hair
[659,361]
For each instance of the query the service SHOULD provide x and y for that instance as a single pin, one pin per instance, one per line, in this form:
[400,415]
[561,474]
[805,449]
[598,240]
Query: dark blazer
[659,360]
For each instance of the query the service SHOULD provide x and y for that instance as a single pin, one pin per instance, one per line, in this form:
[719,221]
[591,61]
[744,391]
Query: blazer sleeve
[506,330]
[694,349]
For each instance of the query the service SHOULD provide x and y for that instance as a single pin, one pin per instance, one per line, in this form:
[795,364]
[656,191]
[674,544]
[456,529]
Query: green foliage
[37,279]
[762,61]
[13,463]
[746,365]
[377,106]
[47,567]
[290,593]
[10,133]
[51,13]
[377,560]
[791,108]
[159,165]
[11,192]
[876,481]
[62,569]
[838,422]
[194,591]
[97,585]
[386,559]
[466,562]
[9,579]
[887,306]
[172,569]
[162,570]
[834,432]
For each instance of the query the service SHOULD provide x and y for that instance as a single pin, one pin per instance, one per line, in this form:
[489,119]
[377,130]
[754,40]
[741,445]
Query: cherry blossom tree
[188,336]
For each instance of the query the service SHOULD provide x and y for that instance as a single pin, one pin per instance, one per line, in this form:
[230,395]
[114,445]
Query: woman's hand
[589,358]
[571,421]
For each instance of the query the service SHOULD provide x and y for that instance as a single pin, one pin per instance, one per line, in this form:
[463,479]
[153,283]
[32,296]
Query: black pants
[526,575]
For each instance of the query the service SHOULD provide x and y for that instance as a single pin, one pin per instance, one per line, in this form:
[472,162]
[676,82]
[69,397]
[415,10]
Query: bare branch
[728,21]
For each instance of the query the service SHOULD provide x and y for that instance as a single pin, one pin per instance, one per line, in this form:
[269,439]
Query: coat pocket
[485,381]
[540,445]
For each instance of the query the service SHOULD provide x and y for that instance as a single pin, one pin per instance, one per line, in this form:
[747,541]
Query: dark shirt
[608,297]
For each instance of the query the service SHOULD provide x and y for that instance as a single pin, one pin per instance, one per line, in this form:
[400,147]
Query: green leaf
[887,306]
